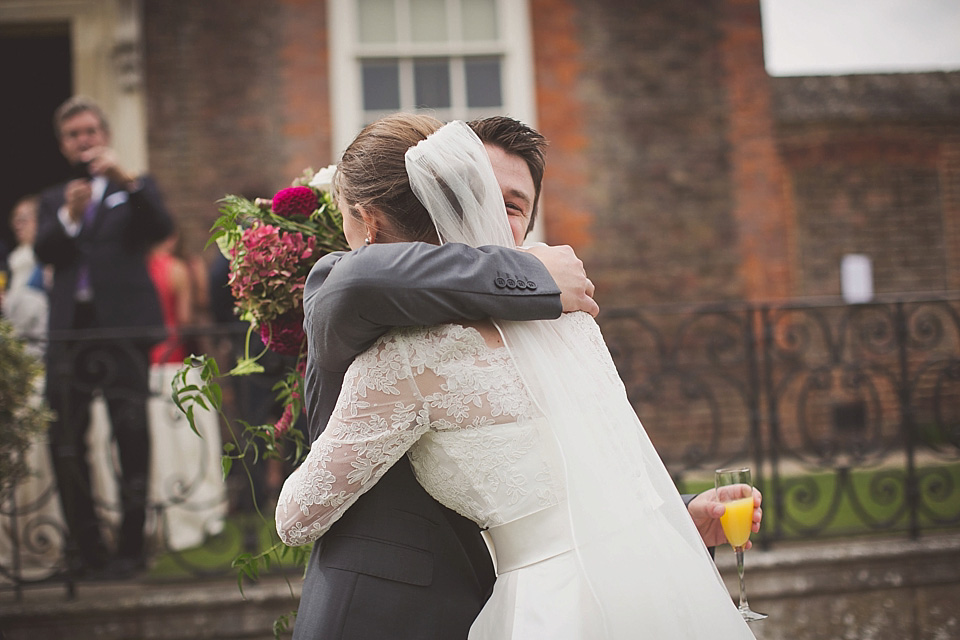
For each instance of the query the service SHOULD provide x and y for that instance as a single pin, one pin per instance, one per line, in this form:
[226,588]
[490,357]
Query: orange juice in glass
[737,520]
[735,491]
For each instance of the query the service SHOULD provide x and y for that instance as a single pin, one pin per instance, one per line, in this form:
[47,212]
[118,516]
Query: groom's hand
[566,269]
[706,510]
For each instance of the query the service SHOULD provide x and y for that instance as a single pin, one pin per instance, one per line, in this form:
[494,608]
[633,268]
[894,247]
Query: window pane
[432,83]
[479,19]
[428,20]
[381,85]
[483,82]
[378,22]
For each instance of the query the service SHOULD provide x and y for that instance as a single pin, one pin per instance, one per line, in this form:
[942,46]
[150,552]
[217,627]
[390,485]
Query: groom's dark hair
[517,139]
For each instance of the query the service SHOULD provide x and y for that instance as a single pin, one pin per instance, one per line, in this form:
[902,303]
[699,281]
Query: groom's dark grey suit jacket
[398,564]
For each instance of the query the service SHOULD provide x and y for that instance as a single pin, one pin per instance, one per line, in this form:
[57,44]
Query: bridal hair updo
[372,174]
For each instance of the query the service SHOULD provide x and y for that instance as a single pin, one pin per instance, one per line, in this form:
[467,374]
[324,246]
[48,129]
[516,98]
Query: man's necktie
[84,291]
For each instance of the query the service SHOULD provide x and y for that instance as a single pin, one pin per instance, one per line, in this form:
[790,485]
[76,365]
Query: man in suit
[398,564]
[95,230]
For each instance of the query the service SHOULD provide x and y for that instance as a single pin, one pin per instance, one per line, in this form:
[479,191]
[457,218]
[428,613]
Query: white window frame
[346,52]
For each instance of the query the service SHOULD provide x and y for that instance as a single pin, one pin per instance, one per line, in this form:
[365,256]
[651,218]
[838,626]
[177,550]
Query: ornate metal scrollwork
[854,409]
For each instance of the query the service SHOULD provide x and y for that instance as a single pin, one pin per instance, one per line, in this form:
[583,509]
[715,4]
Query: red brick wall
[762,210]
[681,171]
[873,169]
[675,168]
[632,98]
[950,179]
[238,100]
[559,68]
[304,69]
[873,192]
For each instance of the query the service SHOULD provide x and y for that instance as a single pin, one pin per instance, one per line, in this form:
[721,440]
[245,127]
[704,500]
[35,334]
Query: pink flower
[284,334]
[295,202]
[284,423]
[268,271]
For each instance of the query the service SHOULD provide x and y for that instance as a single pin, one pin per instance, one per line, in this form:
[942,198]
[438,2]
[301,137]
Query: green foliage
[207,394]
[282,624]
[254,443]
[22,414]
[250,565]
[259,441]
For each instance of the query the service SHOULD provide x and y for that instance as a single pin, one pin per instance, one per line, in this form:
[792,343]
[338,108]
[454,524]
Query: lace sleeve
[380,414]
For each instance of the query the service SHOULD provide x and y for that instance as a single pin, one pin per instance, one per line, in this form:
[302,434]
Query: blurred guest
[185,475]
[171,277]
[202,313]
[95,230]
[24,303]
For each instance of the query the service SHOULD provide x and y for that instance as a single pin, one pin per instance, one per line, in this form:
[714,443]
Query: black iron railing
[189,503]
[848,414]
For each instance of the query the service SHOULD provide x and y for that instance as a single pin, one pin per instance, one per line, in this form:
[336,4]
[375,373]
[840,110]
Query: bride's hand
[706,510]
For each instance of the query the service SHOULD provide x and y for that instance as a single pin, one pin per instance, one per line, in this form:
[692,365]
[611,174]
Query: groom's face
[516,185]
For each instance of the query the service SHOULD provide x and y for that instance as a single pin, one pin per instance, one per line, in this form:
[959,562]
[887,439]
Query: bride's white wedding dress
[476,442]
[534,441]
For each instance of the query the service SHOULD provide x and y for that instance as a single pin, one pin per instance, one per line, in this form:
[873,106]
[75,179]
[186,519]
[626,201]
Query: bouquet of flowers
[271,245]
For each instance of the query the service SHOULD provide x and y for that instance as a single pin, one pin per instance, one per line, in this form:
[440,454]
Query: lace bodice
[474,434]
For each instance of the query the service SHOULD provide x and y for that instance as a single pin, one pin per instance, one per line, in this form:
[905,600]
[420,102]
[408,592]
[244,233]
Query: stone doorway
[36,77]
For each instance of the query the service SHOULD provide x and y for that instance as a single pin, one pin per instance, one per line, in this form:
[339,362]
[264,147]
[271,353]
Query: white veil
[619,494]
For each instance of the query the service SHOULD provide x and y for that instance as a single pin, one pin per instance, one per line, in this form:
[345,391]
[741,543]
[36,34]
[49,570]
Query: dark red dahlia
[284,334]
[295,202]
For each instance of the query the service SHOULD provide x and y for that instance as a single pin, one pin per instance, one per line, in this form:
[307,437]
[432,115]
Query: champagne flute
[735,491]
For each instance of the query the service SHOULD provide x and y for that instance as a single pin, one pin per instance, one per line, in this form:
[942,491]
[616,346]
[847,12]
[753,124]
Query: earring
[367,241]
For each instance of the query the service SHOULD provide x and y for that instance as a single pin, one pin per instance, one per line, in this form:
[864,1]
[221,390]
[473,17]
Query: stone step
[864,589]
[867,589]
[149,610]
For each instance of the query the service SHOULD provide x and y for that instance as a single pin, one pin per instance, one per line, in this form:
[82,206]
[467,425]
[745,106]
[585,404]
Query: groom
[398,564]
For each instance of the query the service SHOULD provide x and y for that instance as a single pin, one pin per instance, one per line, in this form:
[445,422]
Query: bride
[523,427]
